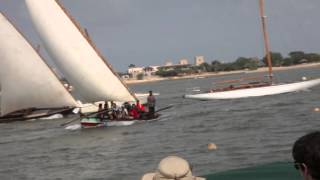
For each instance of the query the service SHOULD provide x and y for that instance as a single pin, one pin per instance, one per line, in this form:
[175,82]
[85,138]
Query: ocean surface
[248,132]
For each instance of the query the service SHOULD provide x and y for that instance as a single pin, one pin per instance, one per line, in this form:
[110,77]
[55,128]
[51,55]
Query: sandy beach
[209,74]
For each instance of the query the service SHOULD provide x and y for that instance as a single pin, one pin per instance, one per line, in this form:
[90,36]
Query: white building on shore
[183,62]
[198,60]
[134,71]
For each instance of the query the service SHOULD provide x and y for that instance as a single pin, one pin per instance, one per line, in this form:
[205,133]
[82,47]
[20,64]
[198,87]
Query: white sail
[26,81]
[74,54]
[256,92]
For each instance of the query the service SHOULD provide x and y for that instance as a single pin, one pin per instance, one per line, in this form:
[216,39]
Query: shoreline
[222,73]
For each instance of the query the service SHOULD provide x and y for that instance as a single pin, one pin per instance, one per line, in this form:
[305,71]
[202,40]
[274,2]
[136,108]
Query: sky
[150,32]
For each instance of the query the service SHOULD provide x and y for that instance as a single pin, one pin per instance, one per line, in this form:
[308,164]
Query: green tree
[287,62]
[296,56]
[168,73]
[228,67]
[140,76]
[205,67]
[276,59]
[216,66]
[312,57]
[252,64]
[132,66]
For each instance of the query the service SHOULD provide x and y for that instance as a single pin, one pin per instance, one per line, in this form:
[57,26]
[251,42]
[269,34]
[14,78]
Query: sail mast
[266,38]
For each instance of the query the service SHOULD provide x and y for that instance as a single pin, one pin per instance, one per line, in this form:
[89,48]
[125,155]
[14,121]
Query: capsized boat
[29,89]
[256,89]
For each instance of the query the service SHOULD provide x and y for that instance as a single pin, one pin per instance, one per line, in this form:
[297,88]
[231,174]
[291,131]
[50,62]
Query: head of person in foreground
[306,155]
[172,168]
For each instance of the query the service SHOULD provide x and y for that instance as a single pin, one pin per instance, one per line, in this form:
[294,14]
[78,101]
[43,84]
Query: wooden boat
[77,58]
[257,89]
[29,89]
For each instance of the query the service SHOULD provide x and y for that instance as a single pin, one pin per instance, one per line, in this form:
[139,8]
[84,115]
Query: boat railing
[193,90]
[236,84]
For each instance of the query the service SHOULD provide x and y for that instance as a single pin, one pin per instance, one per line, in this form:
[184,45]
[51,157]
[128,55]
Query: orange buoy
[212,146]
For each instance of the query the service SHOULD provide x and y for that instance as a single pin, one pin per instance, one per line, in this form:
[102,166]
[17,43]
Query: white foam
[55,116]
[73,127]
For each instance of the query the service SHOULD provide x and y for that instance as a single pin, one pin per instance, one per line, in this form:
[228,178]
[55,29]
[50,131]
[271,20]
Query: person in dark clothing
[100,115]
[151,104]
[106,109]
[306,155]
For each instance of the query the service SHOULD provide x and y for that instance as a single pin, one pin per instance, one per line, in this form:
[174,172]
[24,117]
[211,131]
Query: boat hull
[95,122]
[28,114]
[257,91]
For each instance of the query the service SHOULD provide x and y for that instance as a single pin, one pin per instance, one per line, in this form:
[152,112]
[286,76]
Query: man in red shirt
[134,113]
[140,107]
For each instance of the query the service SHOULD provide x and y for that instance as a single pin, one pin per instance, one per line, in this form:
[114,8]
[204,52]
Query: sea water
[247,132]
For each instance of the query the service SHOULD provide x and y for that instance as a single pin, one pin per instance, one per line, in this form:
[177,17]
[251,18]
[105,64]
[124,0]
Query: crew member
[151,104]
[100,115]
[134,112]
[140,107]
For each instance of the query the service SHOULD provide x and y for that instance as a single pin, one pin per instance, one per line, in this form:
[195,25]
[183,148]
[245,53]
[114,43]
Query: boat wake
[106,124]
[73,127]
[55,116]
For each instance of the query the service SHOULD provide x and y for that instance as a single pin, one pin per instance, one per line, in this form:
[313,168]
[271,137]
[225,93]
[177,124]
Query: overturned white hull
[256,92]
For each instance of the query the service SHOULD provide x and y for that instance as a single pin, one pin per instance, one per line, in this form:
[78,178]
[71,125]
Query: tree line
[241,63]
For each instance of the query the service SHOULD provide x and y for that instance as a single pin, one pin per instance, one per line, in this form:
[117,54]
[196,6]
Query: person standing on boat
[306,155]
[106,109]
[100,114]
[151,104]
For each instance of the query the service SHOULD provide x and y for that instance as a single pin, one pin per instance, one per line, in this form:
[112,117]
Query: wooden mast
[266,39]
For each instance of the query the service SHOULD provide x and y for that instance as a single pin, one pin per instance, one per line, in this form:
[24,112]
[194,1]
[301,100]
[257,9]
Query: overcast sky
[149,32]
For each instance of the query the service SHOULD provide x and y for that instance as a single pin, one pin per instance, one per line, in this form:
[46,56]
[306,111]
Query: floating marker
[212,146]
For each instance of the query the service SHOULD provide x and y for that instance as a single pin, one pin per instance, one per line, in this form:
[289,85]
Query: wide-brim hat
[172,168]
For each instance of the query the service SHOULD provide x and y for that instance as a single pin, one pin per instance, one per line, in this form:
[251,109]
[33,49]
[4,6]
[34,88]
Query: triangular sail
[26,81]
[75,55]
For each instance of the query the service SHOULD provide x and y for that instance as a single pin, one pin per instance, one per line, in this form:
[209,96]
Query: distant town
[198,65]
[168,69]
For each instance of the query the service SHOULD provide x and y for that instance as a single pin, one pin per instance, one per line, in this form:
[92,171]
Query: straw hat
[172,168]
